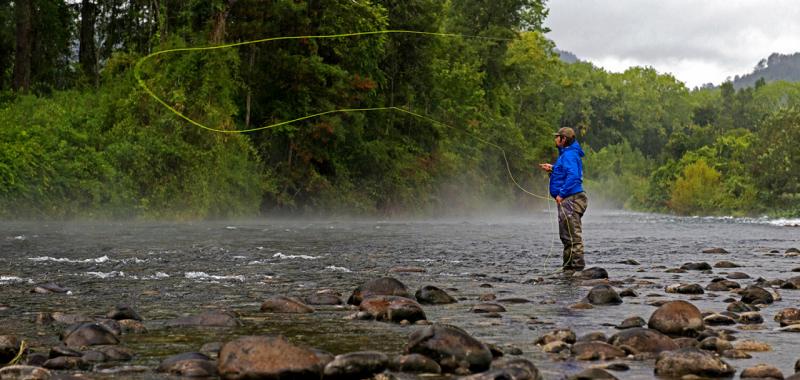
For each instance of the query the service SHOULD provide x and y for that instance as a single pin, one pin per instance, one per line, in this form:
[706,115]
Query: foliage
[696,189]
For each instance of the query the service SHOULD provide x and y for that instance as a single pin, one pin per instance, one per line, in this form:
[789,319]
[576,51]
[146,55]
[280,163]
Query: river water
[168,270]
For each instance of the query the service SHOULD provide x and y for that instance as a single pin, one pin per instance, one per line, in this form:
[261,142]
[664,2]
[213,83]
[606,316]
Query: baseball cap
[566,132]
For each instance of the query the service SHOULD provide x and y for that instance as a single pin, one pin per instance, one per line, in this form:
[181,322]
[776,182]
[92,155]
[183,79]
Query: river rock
[722,285]
[752,346]
[189,364]
[356,365]
[738,276]
[593,273]
[9,348]
[641,340]
[741,307]
[487,297]
[488,307]
[392,308]
[63,351]
[285,305]
[596,336]
[679,318]
[514,300]
[716,319]
[788,316]
[115,353]
[431,295]
[451,347]
[89,334]
[596,351]
[120,312]
[756,295]
[726,264]
[761,371]
[628,293]
[49,287]
[685,289]
[326,298]
[515,373]
[111,325]
[797,366]
[562,335]
[267,357]
[384,286]
[414,363]
[715,344]
[132,326]
[735,354]
[555,347]
[24,372]
[750,318]
[69,319]
[715,250]
[691,361]
[592,374]
[603,295]
[66,363]
[696,266]
[631,322]
[792,283]
[790,328]
[207,319]
[93,357]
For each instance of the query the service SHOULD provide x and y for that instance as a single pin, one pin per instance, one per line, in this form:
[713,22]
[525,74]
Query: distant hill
[567,56]
[775,67]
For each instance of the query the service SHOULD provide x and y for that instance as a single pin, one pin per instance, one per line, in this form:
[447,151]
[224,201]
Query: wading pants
[569,229]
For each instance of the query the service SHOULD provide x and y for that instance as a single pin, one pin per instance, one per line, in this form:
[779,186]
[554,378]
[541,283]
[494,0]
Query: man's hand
[559,199]
[546,167]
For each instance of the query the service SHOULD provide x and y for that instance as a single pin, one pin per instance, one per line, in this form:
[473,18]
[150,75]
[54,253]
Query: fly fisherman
[566,186]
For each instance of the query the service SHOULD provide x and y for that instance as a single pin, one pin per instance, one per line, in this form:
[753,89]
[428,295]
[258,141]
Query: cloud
[697,41]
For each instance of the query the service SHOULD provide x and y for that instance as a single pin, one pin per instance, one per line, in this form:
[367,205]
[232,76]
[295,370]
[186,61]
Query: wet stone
[631,322]
[629,262]
[267,357]
[66,363]
[115,353]
[596,351]
[189,364]
[69,319]
[679,318]
[90,334]
[691,361]
[686,342]
[718,320]
[24,372]
[738,276]
[414,363]
[356,365]
[488,308]
[9,348]
[451,347]
[603,295]
[756,295]
[592,374]
[726,264]
[207,319]
[63,351]
[761,371]
[685,289]
[794,283]
[696,266]
[94,357]
[431,295]
[675,270]
[120,312]
[715,344]
[788,316]
[384,286]
[740,307]
[555,347]
[562,335]
[49,287]
[329,299]
[791,328]
[628,293]
[715,250]
[132,326]
[514,300]
[735,354]
[392,309]
[35,359]
[487,297]
[285,305]
[752,346]
[641,340]
[750,318]
[596,336]
[593,273]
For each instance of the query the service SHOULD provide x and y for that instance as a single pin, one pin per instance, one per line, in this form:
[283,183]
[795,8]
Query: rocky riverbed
[664,296]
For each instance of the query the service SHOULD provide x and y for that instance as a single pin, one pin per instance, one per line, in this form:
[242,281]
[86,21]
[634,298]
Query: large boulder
[603,295]
[756,295]
[678,318]
[356,365]
[267,357]
[285,305]
[89,334]
[641,340]
[207,319]
[691,361]
[431,295]
[384,286]
[451,347]
[392,308]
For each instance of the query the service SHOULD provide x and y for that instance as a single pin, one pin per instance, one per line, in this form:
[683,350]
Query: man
[566,186]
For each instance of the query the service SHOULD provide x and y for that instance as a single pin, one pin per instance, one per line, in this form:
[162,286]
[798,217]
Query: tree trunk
[22,59]
[87,53]
[250,69]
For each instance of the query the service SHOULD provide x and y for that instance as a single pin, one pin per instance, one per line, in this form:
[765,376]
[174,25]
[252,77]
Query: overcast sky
[698,41]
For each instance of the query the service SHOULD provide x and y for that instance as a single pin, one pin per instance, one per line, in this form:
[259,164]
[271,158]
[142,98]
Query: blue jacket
[567,176]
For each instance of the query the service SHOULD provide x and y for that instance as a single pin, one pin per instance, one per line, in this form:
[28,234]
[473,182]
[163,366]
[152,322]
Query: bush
[697,190]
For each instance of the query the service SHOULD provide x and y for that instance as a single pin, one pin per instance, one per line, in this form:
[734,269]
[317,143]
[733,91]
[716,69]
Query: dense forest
[80,137]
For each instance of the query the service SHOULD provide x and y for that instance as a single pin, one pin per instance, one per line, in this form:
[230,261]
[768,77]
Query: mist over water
[167,270]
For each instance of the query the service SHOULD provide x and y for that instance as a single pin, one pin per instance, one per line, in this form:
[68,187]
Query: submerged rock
[592,374]
[761,371]
[414,363]
[285,305]
[120,312]
[451,347]
[751,346]
[691,361]
[603,295]
[384,286]
[267,357]
[207,319]
[738,276]
[696,266]
[190,364]
[596,351]
[89,334]
[431,295]
[726,264]
[715,250]
[488,308]
[677,318]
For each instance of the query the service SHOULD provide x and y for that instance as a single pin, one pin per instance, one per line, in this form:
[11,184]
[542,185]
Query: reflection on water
[166,270]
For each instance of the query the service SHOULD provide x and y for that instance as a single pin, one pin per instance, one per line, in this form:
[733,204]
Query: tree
[87,55]
[24,45]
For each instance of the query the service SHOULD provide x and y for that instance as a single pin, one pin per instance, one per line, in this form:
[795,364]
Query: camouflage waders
[569,229]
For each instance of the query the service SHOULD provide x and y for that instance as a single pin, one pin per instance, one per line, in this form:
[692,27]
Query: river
[167,270]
